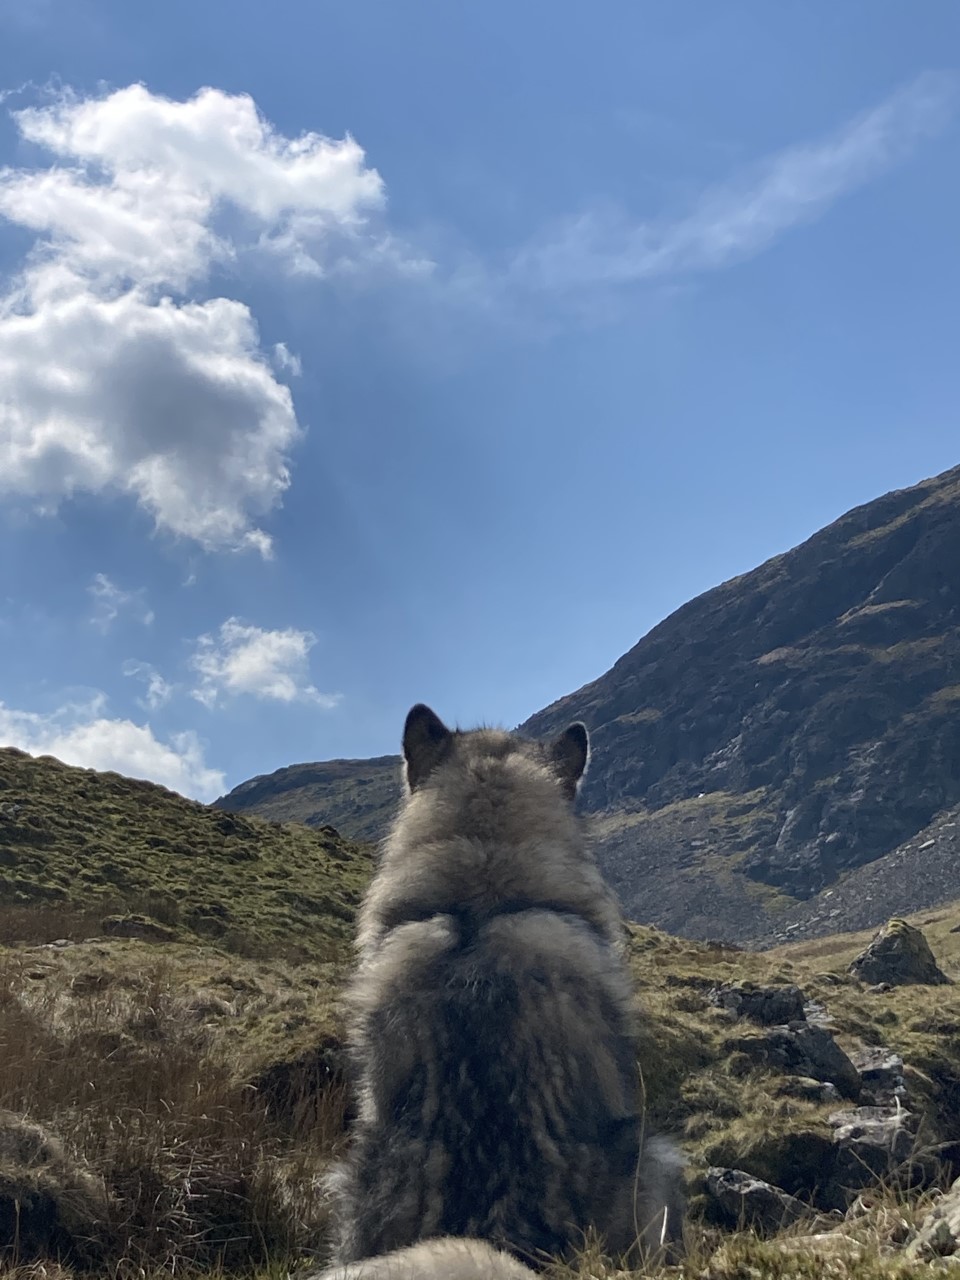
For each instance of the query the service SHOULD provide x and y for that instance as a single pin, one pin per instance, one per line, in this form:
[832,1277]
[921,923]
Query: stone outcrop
[898,955]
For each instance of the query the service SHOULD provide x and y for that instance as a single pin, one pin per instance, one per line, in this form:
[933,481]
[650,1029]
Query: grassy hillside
[104,845]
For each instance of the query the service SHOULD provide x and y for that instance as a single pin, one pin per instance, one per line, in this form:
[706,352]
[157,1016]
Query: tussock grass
[114,1051]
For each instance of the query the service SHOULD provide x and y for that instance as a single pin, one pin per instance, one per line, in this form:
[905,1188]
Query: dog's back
[492,1016]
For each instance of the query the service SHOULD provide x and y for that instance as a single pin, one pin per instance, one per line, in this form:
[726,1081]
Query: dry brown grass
[125,1063]
[142,1059]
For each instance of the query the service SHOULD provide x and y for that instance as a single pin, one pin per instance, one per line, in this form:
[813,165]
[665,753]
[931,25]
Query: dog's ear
[426,743]
[570,754]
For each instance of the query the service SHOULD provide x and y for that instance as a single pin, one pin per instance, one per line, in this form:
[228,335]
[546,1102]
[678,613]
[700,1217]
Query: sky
[355,355]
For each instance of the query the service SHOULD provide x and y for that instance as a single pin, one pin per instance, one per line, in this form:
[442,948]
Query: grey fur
[443,1259]
[492,1019]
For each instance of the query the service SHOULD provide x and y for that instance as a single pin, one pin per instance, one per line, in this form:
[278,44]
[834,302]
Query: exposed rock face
[769,1006]
[899,954]
[740,1200]
[873,1142]
[817,694]
[790,725]
[802,1050]
[882,1081]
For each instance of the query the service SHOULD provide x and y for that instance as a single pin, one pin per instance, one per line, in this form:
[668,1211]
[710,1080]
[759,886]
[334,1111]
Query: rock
[808,1090]
[874,1142]
[135,926]
[801,1049]
[741,1200]
[769,1006]
[899,954]
[939,1234]
[881,1076]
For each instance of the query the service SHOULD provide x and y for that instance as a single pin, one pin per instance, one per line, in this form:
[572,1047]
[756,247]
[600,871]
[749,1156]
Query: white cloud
[740,219]
[109,601]
[159,691]
[144,164]
[108,384]
[286,361]
[80,734]
[265,664]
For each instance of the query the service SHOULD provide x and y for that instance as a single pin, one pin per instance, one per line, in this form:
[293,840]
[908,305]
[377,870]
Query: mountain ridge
[768,738]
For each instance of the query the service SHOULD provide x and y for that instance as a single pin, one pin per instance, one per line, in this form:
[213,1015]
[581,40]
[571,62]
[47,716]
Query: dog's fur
[443,1259]
[492,1025]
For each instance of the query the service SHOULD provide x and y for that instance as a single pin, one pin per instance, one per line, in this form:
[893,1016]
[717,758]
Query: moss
[142,850]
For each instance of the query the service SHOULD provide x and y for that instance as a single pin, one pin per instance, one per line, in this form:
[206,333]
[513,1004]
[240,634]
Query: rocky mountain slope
[355,796]
[769,739]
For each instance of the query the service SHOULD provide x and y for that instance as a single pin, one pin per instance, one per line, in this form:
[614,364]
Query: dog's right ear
[426,743]
[571,754]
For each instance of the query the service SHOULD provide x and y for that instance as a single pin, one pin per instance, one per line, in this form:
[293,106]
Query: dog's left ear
[426,742]
[570,754]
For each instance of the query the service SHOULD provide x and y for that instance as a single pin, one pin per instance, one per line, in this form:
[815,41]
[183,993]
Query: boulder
[899,954]
[872,1143]
[768,1006]
[738,1200]
[801,1049]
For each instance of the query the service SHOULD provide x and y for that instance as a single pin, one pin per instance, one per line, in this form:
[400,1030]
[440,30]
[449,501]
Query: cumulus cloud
[243,659]
[158,690]
[81,734]
[112,379]
[109,601]
[741,218]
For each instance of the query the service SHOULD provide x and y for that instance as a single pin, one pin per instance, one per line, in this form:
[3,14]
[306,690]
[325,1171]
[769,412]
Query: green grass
[101,844]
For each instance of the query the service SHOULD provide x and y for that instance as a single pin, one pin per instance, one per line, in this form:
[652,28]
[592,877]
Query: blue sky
[356,355]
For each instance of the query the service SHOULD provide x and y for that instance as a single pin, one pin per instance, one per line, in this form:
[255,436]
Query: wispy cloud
[286,361]
[741,218]
[158,690]
[109,601]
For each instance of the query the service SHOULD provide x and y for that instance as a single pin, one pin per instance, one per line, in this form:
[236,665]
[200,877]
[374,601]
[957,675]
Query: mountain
[130,858]
[764,743]
[357,796]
